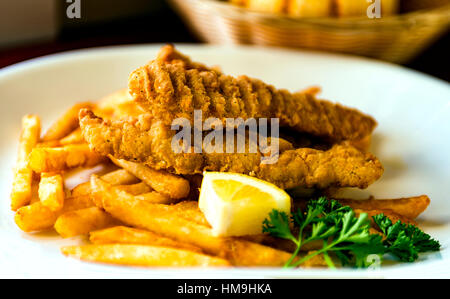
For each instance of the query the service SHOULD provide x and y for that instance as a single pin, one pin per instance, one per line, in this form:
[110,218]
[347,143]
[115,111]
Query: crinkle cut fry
[149,141]
[172,86]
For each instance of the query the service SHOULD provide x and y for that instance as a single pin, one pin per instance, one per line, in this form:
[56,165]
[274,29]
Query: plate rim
[55,57]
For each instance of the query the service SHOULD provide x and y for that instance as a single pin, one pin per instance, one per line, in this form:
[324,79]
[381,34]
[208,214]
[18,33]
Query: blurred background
[413,33]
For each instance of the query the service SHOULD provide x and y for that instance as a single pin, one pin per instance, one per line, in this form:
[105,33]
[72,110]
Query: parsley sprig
[405,241]
[345,235]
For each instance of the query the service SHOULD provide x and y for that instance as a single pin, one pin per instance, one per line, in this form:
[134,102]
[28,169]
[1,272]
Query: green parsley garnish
[405,241]
[346,236]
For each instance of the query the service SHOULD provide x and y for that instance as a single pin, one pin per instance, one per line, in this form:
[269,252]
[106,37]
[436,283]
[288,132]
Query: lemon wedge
[237,204]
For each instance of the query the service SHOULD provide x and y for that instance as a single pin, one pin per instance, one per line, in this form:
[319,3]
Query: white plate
[412,141]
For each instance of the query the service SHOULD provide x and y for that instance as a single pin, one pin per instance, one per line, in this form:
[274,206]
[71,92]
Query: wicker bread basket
[395,38]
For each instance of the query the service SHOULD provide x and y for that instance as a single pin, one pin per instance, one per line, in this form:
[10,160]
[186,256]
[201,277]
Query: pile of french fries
[135,215]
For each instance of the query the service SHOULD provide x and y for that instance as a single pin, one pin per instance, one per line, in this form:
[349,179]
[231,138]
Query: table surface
[166,27]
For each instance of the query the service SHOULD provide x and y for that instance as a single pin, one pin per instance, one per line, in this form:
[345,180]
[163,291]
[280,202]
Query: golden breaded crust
[172,86]
[149,141]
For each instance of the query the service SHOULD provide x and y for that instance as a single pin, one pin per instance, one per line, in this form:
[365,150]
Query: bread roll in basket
[393,37]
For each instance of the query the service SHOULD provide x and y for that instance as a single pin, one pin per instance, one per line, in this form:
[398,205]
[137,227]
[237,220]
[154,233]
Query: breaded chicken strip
[147,140]
[173,86]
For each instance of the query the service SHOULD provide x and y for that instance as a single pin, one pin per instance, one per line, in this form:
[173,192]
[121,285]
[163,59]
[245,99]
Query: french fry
[118,105]
[29,137]
[243,253]
[51,191]
[142,255]
[165,183]
[164,220]
[111,101]
[309,8]
[61,158]
[135,189]
[34,191]
[128,235]
[66,123]
[37,217]
[81,189]
[51,143]
[314,262]
[75,137]
[272,6]
[394,217]
[120,177]
[77,203]
[189,210]
[409,207]
[154,197]
[21,187]
[81,222]
[117,177]
[282,244]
